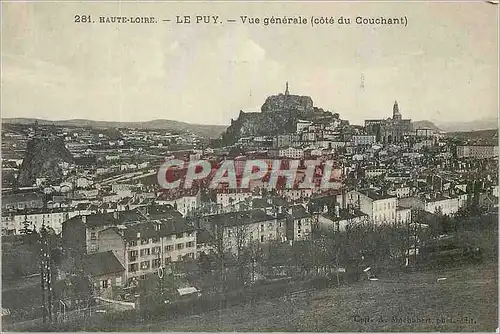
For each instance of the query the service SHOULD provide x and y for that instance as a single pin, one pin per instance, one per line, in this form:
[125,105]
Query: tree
[241,236]
[26,230]
[221,257]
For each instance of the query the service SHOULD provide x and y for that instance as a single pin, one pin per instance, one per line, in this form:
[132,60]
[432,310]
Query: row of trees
[385,247]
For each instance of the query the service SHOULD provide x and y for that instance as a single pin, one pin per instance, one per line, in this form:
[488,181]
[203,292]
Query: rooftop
[102,263]
[239,218]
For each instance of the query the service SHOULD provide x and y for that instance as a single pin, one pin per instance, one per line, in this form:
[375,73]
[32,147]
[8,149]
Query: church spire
[286,90]
[395,111]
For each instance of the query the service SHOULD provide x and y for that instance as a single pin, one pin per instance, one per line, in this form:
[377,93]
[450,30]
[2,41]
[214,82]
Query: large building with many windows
[477,151]
[145,247]
[143,241]
[380,208]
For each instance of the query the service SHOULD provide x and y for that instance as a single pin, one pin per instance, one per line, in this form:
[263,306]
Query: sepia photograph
[249,166]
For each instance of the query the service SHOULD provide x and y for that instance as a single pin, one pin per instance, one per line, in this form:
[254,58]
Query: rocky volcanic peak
[279,115]
[42,159]
[284,102]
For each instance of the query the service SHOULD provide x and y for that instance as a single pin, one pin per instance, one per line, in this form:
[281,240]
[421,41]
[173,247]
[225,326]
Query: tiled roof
[102,263]
[239,218]
[345,214]
[298,212]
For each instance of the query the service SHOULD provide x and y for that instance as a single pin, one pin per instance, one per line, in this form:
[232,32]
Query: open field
[465,301]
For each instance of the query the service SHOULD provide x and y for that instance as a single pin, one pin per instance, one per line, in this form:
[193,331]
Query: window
[155,240]
[156,263]
[104,284]
[93,236]
[132,243]
[179,246]
[189,244]
[132,255]
[262,227]
[156,250]
[169,248]
[229,233]
[144,241]
[270,225]
[261,238]
[169,237]
[179,235]
[133,267]
[118,281]
[145,265]
[190,234]
[168,260]
[145,251]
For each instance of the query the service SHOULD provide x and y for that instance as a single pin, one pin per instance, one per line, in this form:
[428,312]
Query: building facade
[391,130]
[477,151]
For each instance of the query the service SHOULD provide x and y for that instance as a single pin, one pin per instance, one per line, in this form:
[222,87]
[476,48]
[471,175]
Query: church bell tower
[396,115]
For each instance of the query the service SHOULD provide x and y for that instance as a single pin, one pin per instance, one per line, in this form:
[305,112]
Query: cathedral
[391,130]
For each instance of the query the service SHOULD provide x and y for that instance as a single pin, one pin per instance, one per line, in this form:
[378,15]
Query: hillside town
[113,238]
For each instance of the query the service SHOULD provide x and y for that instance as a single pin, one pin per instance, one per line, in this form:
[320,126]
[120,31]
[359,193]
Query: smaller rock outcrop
[42,160]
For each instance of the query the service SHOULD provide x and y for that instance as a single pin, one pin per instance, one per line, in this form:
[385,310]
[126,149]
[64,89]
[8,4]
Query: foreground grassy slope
[465,301]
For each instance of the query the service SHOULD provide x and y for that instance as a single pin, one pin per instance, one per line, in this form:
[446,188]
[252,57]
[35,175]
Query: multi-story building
[374,172]
[238,229]
[381,208]
[184,201]
[145,246]
[227,197]
[14,222]
[298,223]
[400,191]
[477,151]
[447,205]
[81,233]
[22,201]
[436,203]
[296,194]
[341,219]
[403,215]
[291,152]
[363,140]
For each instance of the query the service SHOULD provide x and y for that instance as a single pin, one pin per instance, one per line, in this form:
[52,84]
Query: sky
[442,66]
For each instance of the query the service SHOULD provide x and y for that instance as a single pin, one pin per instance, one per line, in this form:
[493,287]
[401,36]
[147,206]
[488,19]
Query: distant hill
[207,131]
[425,125]
[481,124]
[483,137]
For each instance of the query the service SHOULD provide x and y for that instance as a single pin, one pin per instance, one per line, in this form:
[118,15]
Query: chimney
[138,235]
[116,214]
[84,219]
